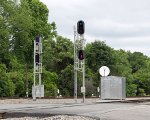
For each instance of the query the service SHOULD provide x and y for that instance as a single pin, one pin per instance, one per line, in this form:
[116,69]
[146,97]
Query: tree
[66,81]
[40,20]
[58,57]
[7,88]
[6,10]
[64,48]
[22,26]
[57,54]
[137,61]
[121,64]
[50,83]
[98,54]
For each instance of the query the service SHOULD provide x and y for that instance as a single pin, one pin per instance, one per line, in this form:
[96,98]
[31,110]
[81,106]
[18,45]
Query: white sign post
[103,71]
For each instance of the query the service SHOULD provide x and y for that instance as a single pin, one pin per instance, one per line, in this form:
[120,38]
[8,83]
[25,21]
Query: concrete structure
[113,87]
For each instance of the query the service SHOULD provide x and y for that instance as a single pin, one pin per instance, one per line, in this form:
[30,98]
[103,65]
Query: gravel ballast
[45,101]
[57,117]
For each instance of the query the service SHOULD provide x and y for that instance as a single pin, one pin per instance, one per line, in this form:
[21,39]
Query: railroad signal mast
[79,62]
[37,89]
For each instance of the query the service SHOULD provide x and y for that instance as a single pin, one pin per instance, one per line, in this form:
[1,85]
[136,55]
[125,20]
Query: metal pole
[34,91]
[40,64]
[34,95]
[40,84]
[26,80]
[83,67]
[75,67]
[100,87]
[83,81]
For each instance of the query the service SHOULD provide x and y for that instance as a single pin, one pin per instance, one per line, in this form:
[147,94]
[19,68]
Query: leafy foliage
[50,80]
[98,54]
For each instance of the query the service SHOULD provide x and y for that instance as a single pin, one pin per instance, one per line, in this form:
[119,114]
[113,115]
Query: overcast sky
[122,24]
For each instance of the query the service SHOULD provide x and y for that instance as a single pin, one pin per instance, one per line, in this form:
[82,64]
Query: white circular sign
[104,71]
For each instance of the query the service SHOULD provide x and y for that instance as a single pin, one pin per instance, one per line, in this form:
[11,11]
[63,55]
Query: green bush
[131,90]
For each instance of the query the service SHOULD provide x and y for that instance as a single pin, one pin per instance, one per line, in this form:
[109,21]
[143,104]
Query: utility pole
[75,65]
[79,62]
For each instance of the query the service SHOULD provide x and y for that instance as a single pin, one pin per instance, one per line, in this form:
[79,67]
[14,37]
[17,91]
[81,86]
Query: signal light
[37,39]
[80,54]
[37,58]
[80,27]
